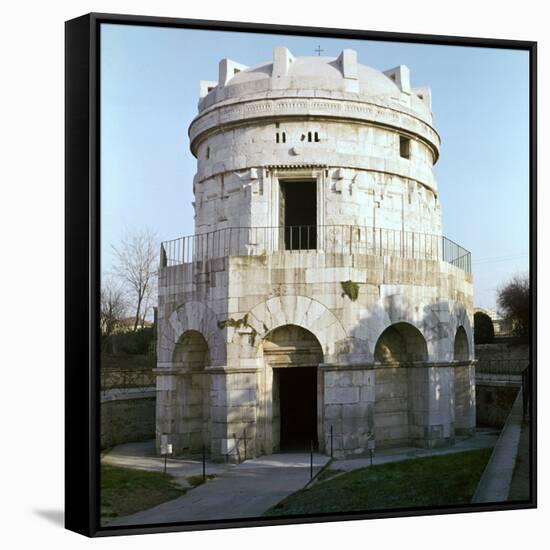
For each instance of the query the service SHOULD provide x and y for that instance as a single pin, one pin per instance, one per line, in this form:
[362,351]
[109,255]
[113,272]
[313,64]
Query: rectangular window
[404,147]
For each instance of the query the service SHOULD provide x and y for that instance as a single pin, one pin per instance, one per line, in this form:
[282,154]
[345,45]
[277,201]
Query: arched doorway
[292,355]
[400,344]
[192,418]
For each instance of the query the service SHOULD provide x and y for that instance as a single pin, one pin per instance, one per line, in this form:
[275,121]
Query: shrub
[133,343]
[484,331]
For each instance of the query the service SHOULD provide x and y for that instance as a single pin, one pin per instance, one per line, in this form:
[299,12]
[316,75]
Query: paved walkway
[142,456]
[520,485]
[243,490]
[496,480]
[249,489]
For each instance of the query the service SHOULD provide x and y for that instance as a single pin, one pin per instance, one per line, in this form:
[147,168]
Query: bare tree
[136,265]
[113,306]
[513,303]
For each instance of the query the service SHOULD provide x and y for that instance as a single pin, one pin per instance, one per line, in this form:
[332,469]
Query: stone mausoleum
[317,302]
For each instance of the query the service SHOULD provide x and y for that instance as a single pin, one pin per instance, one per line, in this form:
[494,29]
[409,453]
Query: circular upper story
[314,88]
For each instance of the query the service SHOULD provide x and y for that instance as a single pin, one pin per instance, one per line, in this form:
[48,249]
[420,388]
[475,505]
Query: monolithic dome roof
[318,73]
[339,77]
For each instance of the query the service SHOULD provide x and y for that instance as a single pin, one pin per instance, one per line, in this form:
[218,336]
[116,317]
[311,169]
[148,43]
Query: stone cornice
[232,370]
[181,371]
[411,364]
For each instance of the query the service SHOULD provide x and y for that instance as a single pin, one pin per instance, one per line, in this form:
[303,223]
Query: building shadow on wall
[414,401]
[408,328]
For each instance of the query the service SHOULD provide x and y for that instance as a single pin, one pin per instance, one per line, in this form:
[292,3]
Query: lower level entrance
[298,408]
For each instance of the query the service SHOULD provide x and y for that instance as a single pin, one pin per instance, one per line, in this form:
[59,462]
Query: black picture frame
[82,225]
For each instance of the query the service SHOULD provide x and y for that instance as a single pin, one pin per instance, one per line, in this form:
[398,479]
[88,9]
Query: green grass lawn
[125,491]
[418,482]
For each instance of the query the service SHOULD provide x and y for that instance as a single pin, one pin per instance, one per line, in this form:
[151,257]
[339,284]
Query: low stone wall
[128,399]
[502,351]
[493,403]
[498,378]
[127,417]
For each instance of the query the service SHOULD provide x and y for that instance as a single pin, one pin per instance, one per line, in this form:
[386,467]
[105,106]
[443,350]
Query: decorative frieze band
[221,116]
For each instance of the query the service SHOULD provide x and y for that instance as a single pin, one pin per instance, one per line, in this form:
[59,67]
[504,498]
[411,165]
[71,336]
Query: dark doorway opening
[298,408]
[299,214]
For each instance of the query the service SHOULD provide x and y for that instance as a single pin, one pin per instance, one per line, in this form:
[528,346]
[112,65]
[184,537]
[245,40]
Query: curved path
[244,490]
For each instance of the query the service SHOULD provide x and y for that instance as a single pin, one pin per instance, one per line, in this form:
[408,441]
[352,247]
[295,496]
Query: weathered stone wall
[234,400]
[494,403]
[349,401]
[391,407]
[307,288]
[183,410]
[503,352]
[362,180]
[125,420]
[465,400]
[498,380]
[396,405]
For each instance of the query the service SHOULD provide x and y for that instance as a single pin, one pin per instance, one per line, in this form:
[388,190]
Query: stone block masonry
[317,295]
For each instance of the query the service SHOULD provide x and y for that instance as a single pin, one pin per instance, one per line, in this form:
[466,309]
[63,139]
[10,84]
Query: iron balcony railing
[335,239]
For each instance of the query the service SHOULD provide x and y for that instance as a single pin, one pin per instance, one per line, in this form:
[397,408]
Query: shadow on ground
[57,517]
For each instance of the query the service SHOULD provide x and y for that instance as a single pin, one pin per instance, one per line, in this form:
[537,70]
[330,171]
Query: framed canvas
[301,274]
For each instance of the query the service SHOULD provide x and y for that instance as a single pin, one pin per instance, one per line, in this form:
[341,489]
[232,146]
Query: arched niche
[401,343]
[461,347]
[192,405]
[191,351]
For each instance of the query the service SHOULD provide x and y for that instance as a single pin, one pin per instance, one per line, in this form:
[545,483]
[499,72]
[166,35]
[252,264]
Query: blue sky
[149,92]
